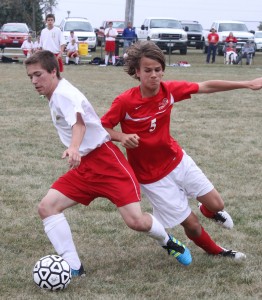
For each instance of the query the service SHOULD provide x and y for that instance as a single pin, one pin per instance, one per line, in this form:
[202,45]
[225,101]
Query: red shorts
[25,52]
[60,63]
[104,172]
[70,53]
[110,46]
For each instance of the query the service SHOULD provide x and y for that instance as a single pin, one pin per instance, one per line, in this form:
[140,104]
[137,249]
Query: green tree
[260,26]
[31,12]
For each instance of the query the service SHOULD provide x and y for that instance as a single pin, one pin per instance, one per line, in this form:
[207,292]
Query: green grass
[222,132]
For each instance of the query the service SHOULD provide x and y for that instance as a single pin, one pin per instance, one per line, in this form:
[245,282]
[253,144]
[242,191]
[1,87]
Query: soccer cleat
[78,273]
[175,248]
[222,218]
[238,256]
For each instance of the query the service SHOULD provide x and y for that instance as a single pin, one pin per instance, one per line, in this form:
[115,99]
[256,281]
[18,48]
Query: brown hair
[142,49]
[50,16]
[46,59]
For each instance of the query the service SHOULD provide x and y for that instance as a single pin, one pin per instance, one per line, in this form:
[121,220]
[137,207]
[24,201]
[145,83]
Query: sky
[202,11]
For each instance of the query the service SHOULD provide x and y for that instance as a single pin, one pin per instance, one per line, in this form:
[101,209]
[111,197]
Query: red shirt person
[212,39]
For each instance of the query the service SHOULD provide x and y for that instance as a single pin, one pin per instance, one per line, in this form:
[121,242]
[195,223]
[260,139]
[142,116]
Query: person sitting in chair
[72,52]
[247,52]
[231,54]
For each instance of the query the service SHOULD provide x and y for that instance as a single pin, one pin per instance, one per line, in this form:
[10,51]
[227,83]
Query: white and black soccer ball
[52,272]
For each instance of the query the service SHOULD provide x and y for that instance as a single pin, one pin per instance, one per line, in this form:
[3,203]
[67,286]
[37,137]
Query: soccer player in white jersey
[97,167]
[52,39]
[167,175]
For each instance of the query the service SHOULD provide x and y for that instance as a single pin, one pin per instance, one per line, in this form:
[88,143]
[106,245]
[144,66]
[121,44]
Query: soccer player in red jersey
[167,175]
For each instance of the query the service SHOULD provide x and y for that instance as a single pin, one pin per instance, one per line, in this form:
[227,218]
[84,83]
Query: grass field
[222,132]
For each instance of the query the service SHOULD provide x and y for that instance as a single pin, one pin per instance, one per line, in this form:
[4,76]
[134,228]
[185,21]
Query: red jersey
[231,39]
[213,38]
[158,153]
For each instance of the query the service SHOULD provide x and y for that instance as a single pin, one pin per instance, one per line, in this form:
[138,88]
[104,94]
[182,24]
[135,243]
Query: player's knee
[46,208]
[137,224]
[192,226]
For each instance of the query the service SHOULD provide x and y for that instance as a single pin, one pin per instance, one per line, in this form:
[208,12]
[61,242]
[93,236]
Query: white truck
[223,28]
[167,33]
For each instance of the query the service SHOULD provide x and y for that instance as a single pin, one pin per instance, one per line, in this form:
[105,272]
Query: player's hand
[130,141]
[74,157]
[256,84]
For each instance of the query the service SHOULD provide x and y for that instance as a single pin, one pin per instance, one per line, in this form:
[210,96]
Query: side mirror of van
[186,28]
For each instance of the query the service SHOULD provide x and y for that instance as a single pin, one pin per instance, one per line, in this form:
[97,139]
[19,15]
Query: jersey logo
[163,104]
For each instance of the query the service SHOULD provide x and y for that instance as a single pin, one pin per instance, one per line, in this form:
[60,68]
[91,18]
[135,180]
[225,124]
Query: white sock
[67,60]
[59,233]
[158,232]
[77,60]
[106,59]
[113,60]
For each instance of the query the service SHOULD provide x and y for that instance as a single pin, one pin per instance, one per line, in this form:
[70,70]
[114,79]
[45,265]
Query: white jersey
[64,104]
[72,48]
[36,45]
[27,45]
[112,34]
[52,39]
[70,38]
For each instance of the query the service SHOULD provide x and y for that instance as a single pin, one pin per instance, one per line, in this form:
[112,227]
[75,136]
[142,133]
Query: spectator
[27,46]
[212,39]
[53,40]
[231,38]
[72,36]
[129,35]
[247,52]
[72,52]
[110,36]
[36,45]
[231,54]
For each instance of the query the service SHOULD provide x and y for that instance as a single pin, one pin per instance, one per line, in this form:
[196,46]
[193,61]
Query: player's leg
[201,238]
[121,187]
[197,186]
[57,228]
[136,220]
[211,206]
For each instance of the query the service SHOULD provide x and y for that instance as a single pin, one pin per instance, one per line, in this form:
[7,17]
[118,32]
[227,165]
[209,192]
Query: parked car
[194,33]
[118,25]
[258,40]
[82,28]
[13,35]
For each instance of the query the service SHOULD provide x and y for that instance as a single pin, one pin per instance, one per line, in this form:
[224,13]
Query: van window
[78,26]
[232,27]
[165,23]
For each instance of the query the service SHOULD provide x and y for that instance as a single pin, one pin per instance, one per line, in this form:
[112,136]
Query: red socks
[205,242]
[207,213]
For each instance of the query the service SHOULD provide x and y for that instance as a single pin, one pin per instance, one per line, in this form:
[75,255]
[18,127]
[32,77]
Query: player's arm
[78,132]
[212,86]
[128,141]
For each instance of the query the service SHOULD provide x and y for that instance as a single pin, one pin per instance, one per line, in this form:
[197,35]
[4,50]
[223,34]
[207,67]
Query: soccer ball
[52,272]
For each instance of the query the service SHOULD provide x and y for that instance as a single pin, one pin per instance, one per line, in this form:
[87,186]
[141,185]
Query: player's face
[150,74]
[50,22]
[44,82]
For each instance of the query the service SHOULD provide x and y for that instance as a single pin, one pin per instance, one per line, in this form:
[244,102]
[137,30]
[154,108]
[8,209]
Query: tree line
[30,12]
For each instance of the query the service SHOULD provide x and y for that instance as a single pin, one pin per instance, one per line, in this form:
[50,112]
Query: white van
[82,29]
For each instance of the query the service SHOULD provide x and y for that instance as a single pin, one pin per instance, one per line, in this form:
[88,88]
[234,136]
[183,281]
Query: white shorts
[169,196]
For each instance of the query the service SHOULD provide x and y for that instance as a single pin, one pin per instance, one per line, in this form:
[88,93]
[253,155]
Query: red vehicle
[118,25]
[13,34]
